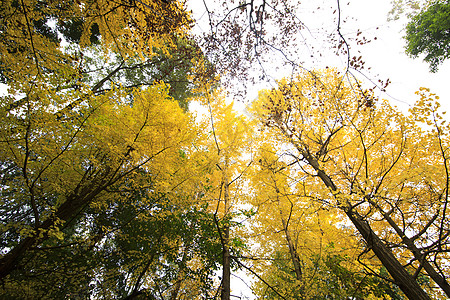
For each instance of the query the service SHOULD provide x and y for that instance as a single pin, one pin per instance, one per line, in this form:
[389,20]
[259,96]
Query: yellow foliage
[28,50]
[354,152]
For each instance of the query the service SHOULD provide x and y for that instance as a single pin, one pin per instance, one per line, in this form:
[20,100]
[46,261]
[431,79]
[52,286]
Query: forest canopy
[113,187]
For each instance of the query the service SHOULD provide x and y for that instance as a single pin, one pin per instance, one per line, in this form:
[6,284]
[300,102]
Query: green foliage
[428,33]
[176,67]
[72,30]
[106,250]
[333,278]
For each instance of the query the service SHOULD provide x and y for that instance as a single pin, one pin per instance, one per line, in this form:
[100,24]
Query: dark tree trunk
[402,278]
[294,258]
[418,255]
[292,251]
[83,195]
[226,273]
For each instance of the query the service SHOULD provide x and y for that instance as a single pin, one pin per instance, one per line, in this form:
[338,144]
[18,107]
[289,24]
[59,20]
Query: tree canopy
[428,33]
[112,188]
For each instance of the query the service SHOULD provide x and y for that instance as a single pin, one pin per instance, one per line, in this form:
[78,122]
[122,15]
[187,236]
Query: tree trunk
[292,249]
[294,256]
[418,255]
[180,275]
[402,278]
[226,272]
[70,208]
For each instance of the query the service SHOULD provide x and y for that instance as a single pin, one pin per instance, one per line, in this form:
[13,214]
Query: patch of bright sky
[385,56]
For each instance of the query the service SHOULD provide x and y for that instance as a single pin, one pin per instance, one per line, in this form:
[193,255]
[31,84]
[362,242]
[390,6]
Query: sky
[385,56]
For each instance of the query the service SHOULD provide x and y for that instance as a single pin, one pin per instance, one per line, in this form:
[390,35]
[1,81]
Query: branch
[31,37]
[257,276]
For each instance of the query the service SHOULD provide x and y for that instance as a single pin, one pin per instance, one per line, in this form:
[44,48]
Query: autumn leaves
[111,190]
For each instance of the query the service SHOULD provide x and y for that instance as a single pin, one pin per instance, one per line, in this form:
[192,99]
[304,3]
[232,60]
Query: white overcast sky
[385,55]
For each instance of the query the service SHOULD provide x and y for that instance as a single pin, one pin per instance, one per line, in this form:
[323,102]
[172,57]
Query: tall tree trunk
[418,255]
[402,278]
[294,257]
[292,249]
[226,273]
[285,223]
[180,275]
[70,208]
[226,267]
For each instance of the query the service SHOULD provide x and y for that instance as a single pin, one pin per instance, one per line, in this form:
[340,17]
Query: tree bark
[402,278]
[226,272]
[294,256]
[292,249]
[418,255]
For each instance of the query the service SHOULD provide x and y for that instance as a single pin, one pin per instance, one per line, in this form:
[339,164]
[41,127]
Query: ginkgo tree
[83,49]
[228,157]
[32,31]
[54,170]
[305,249]
[89,155]
[376,165]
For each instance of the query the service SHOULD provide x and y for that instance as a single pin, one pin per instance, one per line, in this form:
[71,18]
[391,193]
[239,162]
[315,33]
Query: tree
[28,37]
[407,7]
[181,65]
[363,155]
[244,37]
[83,48]
[54,170]
[95,149]
[144,246]
[75,137]
[306,251]
[226,147]
[428,33]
